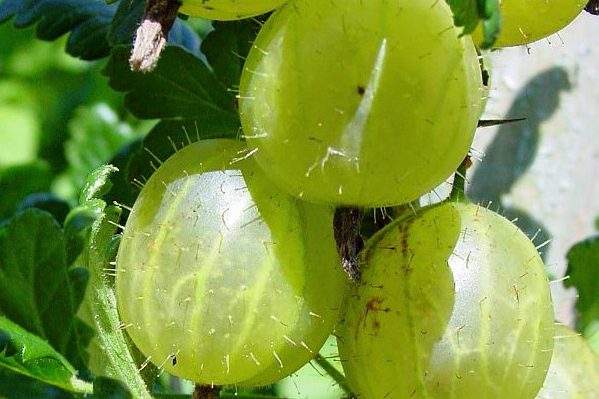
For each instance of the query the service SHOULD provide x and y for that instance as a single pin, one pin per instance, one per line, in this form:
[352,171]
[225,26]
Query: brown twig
[206,392]
[346,225]
[152,33]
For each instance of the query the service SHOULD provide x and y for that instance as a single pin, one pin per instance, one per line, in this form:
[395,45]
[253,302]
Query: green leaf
[90,23]
[96,134]
[17,182]
[468,13]
[490,15]
[583,269]
[180,87]
[87,21]
[123,192]
[227,46]
[76,231]
[48,202]
[98,184]
[183,36]
[465,13]
[39,291]
[19,386]
[102,300]
[165,139]
[126,19]
[29,355]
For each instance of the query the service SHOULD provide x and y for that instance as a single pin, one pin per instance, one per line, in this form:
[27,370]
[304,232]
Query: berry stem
[346,225]
[206,392]
[339,378]
[592,7]
[151,35]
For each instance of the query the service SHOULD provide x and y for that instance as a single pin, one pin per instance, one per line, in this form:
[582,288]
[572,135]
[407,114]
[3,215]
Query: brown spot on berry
[374,305]
[376,325]
[404,240]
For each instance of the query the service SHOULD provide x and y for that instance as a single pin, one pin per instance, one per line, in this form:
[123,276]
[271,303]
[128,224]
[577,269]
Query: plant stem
[334,373]
[81,386]
[102,300]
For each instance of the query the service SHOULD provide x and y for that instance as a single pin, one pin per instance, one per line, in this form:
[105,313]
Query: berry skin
[453,304]
[220,273]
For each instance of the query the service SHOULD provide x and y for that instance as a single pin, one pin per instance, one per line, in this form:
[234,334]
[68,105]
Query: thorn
[145,363]
[172,143]
[116,225]
[254,359]
[186,135]
[559,280]
[315,315]
[496,122]
[278,358]
[543,244]
[292,342]
[118,204]
[304,345]
[535,235]
[146,149]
